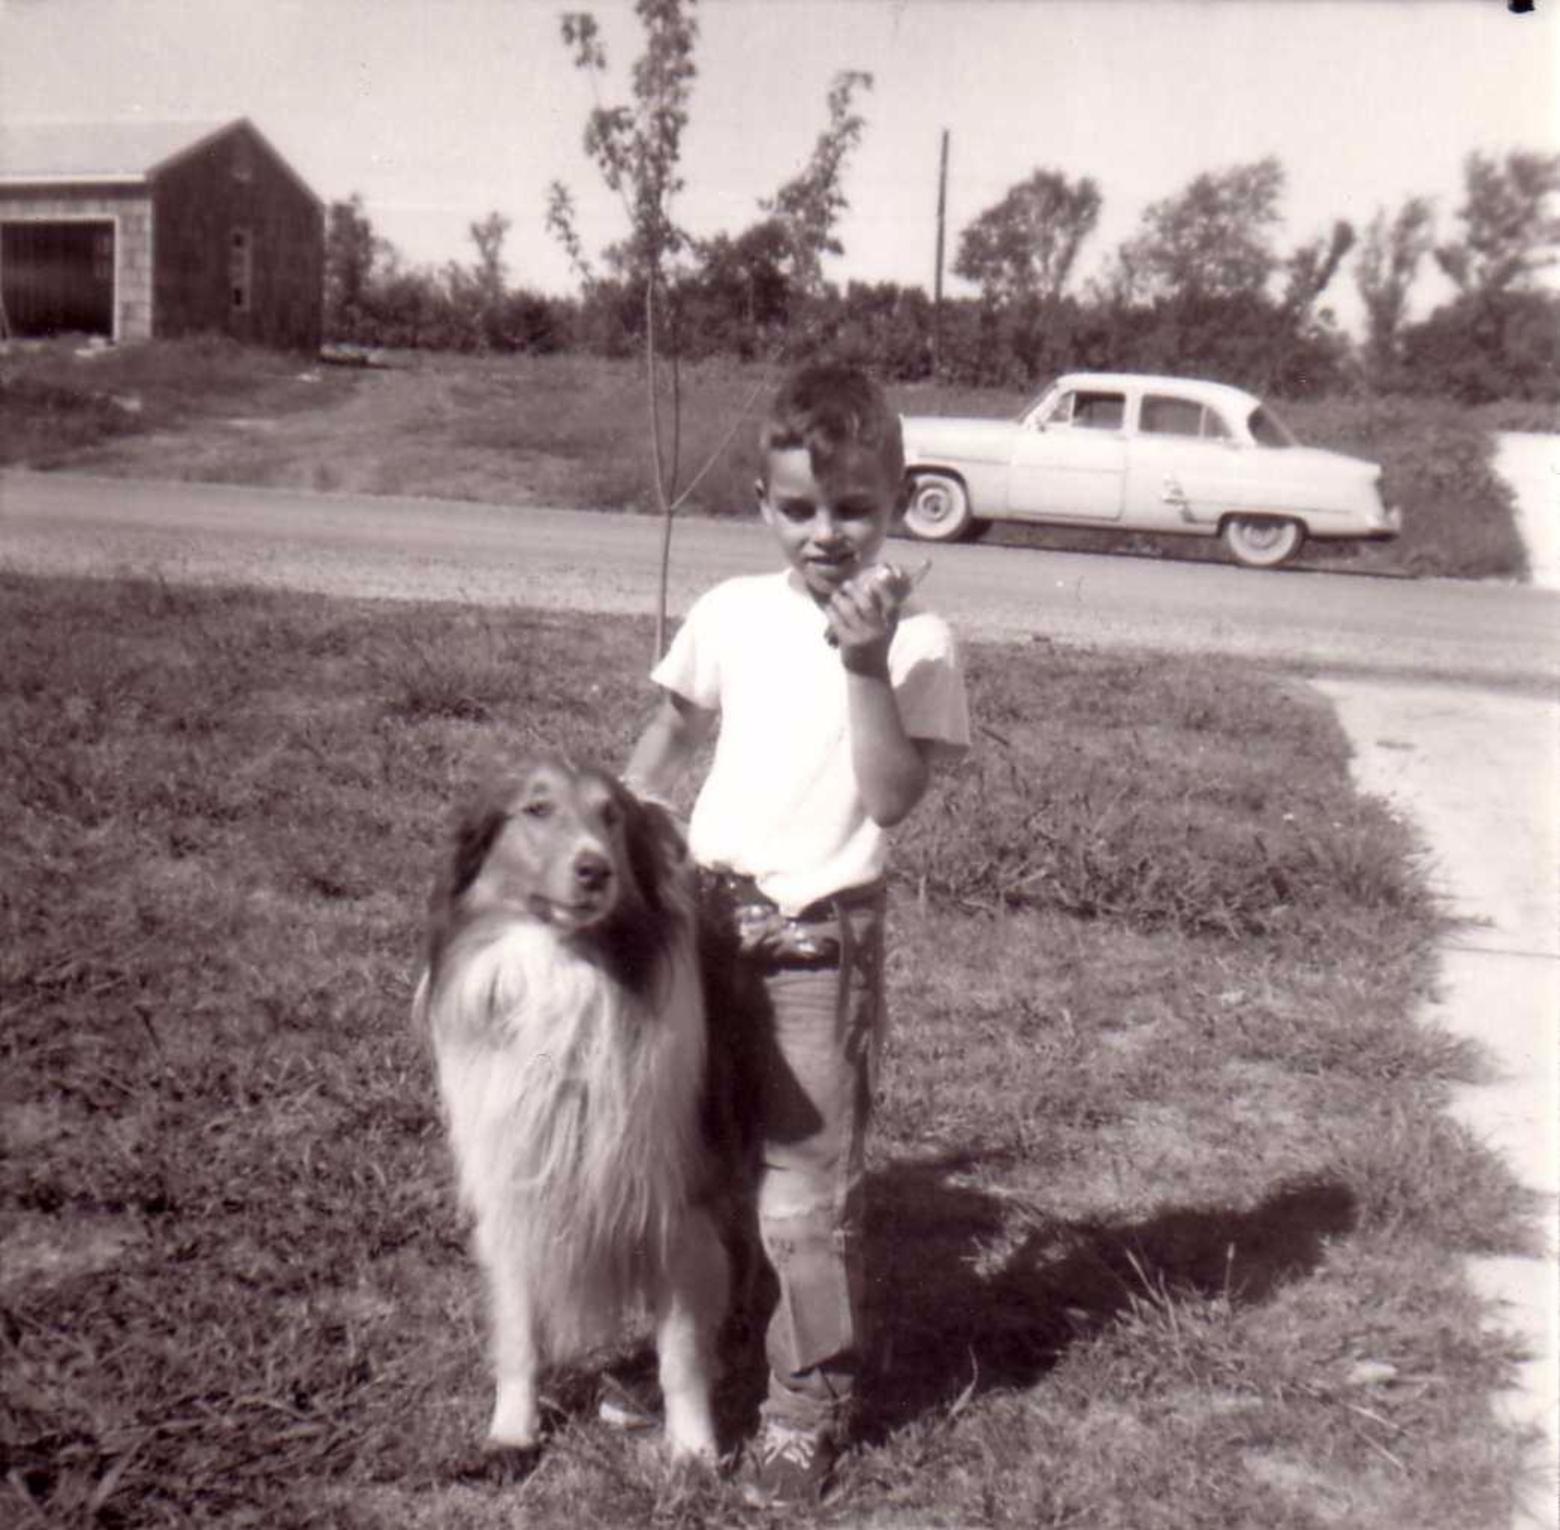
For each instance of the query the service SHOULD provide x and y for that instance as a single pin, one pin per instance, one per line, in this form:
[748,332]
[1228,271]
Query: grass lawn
[1166,1215]
[570,431]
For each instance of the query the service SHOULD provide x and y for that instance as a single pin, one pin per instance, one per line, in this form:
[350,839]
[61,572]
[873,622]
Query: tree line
[1201,287]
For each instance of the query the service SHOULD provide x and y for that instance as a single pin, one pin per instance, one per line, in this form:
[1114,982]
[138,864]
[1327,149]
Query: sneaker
[622,1406]
[787,1465]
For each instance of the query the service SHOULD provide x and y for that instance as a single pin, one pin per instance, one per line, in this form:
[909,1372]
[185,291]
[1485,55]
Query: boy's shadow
[970,1291]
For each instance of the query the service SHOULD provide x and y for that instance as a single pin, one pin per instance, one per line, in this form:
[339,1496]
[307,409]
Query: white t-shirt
[780,803]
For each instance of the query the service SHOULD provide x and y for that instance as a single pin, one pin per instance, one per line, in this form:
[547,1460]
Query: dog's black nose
[592,871]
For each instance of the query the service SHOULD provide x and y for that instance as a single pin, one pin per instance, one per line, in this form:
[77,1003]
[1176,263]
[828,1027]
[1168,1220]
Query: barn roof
[129,153]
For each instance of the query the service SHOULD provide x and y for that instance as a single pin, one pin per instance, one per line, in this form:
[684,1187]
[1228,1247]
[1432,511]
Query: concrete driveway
[1478,773]
[1530,464]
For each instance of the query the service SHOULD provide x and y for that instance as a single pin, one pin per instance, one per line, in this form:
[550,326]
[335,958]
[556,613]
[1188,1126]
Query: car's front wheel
[939,508]
[1262,541]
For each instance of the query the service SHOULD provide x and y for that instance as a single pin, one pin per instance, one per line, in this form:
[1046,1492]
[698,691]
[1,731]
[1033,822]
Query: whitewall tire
[939,508]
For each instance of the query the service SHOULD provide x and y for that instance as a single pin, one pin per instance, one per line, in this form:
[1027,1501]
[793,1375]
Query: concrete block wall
[133,280]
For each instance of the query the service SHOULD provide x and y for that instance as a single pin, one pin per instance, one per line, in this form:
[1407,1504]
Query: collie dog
[563,997]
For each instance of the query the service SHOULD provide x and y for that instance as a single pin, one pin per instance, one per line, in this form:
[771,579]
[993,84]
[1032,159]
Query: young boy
[834,696]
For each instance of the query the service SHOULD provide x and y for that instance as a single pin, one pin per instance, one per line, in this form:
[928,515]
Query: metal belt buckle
[763,931]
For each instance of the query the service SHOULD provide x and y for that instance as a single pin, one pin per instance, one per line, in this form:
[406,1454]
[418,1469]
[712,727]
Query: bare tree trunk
[663,497]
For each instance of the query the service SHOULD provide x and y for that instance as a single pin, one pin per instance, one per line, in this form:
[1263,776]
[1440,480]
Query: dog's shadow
[972,1290]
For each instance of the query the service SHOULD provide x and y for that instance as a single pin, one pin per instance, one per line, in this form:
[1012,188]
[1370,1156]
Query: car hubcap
[1263,536]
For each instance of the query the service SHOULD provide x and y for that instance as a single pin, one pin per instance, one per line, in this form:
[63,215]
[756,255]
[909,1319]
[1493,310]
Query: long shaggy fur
[563,997]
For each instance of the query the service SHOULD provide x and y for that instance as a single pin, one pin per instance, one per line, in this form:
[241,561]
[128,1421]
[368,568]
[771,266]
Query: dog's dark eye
[538,810]
[611,815]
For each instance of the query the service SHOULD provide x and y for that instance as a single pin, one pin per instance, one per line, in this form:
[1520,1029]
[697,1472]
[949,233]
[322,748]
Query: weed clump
[1179,812]
[46,423]
[1438,465]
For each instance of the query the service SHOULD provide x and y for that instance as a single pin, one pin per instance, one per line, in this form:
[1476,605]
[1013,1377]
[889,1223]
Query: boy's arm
[892,769]
[667,746]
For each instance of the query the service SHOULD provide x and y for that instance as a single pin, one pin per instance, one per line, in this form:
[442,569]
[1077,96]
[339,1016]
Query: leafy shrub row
[1477,349]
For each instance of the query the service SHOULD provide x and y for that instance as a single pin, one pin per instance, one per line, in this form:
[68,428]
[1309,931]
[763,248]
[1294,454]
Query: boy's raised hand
[864,612]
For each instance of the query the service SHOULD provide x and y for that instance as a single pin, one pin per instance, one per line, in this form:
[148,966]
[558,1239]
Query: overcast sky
[439,111]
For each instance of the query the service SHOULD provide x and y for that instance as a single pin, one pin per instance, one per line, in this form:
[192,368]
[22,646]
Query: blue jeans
[810,1035]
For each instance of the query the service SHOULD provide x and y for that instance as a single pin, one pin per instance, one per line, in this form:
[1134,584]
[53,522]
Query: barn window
[243,165]
[241,268]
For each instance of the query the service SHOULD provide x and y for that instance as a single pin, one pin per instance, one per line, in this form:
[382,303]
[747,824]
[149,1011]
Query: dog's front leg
[690,1307]
[516,1358]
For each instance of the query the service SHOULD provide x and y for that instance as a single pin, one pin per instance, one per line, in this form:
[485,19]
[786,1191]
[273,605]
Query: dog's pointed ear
[475,832]
[471,841]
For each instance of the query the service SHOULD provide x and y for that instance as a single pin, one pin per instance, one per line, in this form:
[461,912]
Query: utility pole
[942,209]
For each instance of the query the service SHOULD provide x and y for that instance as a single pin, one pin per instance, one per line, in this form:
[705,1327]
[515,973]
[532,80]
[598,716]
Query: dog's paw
[516,1421]
[690,1434]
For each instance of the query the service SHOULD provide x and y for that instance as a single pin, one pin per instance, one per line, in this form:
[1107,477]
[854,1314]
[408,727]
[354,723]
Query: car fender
[985,483]
[1314,486]
[932,440]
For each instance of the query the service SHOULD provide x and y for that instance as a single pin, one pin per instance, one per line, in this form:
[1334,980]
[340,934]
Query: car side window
[1213,426]
[1267,430]
[1163,416]
[1099,411]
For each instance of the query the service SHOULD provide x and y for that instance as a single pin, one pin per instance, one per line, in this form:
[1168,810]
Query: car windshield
[1039,406]
[1268,430]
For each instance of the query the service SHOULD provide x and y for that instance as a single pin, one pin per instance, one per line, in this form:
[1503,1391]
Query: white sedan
[1138,453]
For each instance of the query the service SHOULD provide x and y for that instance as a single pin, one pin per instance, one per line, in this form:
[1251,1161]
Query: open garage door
[58,278]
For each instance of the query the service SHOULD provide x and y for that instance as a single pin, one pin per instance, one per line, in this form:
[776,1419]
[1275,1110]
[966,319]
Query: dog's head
[567,845]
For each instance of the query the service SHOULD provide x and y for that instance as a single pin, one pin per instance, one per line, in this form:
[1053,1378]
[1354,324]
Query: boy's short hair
[827,406]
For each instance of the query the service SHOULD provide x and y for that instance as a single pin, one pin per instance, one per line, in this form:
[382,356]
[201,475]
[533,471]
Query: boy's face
[828,530]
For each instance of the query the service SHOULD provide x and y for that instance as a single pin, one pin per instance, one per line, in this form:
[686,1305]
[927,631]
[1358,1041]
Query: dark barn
[141,230]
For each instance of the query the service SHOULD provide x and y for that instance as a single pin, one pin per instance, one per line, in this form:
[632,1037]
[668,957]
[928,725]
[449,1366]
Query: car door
[1072,464]
[1182,459]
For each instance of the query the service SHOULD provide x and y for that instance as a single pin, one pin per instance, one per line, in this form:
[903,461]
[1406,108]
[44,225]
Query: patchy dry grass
[74,406]
[1164,1206]
[561,431]
[570,431]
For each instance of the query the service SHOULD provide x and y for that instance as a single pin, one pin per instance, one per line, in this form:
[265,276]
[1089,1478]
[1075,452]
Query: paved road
[1431,629]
